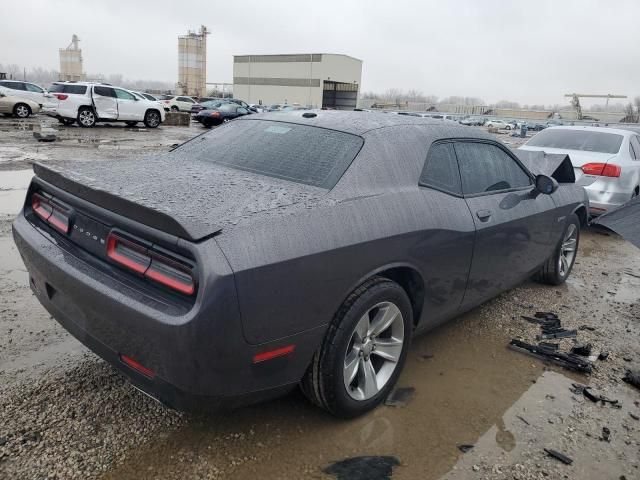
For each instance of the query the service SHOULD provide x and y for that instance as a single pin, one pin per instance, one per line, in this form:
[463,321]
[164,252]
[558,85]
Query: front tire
[175,109]
[557,268]
[21,110]
[86,117]
[363,351]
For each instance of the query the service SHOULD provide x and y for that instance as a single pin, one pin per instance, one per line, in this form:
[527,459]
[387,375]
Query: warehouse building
[313,79]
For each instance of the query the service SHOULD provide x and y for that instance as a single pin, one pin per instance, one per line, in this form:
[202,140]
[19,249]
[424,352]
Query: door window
[184,99]
[487,168]
[104,91]
[124,95]
[242,111]
[33,88]
[441,169]
[632,151]
[14,85]
[635,141]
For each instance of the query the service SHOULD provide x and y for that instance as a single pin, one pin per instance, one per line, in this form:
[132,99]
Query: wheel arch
[408,277]
[581,212]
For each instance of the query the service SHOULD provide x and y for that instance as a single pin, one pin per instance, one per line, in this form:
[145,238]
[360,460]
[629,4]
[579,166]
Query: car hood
[578,157]
[188,198]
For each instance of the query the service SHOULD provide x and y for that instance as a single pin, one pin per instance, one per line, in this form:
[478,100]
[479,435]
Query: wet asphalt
[65,414]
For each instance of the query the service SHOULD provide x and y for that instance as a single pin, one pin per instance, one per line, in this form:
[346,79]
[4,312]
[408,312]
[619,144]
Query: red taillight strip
[41,207]
[50,213]
[146,262]
[602,169]
[147,372]
[278,352]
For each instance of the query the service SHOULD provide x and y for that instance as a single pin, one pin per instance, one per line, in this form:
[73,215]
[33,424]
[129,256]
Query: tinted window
[242,111]
[228,108]
[122,95]
[211,104]
[63,88]
[14,85]
[587,141]
[104,91]
[184,99]
[632,152]
[636,145]
[441,169]
[33,88]
[486,168]
[298,153]
[149,97]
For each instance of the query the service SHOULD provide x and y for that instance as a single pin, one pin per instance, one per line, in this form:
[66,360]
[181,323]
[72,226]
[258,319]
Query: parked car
[178,103]
[88,103]
[207,104]
[606,161]
[501,124]
[17,106]
[536,126]
[221,114]
[472,121]
[229,277]
[27,90]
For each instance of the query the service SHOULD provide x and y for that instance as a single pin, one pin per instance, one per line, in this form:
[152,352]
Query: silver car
[606,161]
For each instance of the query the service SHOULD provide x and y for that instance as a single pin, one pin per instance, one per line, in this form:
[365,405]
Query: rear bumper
[605,196]
[199,357]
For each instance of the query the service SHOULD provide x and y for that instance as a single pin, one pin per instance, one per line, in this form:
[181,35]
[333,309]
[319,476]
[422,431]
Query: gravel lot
[65,414]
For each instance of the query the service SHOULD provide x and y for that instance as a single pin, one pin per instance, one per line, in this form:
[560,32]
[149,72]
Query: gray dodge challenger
[292,249]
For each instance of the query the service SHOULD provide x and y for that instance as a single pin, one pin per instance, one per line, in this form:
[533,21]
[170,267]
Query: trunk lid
[578,159]
[188,199]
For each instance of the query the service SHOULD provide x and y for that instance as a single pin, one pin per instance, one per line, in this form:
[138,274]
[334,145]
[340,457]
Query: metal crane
[575,100]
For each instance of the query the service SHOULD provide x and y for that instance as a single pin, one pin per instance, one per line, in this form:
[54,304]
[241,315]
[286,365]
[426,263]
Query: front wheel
[557,268]
[363,351]
[152,119]
[86,117]
[21,110]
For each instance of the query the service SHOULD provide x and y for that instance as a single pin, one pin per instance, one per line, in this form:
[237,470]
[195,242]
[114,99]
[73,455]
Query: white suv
[88,103]
[27,90]
[178,103]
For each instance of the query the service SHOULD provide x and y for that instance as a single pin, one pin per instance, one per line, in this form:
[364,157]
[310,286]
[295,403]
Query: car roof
[588,128]
[356,123]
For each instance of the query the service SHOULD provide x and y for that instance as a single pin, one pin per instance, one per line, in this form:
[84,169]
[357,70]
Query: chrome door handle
[483,214]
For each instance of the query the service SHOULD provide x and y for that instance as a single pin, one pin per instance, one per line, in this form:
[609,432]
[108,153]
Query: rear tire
[175,109]
[360,358]
[558,267]
[86,117]
[21,110]
[152,119]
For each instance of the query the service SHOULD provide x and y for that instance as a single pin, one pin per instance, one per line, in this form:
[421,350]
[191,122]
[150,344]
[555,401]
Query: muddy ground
[65,414]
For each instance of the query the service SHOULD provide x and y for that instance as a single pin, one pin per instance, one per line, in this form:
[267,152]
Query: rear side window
[123,95]
[488,168]
[33,88]
[441,169]
[63,88]
[298,153]
[149,97]
[184,99]
[636,145]
[14,85]
[104,91]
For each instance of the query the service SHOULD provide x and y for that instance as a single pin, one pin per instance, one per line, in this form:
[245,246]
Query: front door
[104,99]
[513,221]
[129,107]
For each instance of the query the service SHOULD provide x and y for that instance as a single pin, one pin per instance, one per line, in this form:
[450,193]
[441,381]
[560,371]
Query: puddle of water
[460,393]
[13,188]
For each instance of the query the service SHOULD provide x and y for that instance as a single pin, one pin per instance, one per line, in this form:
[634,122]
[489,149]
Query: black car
[207,105]
[286,249]
[221,114]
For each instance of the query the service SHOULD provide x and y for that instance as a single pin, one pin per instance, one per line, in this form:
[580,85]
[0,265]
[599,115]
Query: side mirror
[546,184]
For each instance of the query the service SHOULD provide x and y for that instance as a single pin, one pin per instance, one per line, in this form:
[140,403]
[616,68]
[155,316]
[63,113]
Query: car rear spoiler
[555,165]
[179,227]
[624,220]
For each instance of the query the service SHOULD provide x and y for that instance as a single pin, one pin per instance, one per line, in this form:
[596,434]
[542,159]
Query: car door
[185,103]
[446,248]
[513,221]
[241,111]
[129,108]
[105,102]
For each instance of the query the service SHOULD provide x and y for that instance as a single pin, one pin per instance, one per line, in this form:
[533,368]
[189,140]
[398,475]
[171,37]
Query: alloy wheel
[153,119]
[373,351]
[87,118]
[22,111]
[568,250]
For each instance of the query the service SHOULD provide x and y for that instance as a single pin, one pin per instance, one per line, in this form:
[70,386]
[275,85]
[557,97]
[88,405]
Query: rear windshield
[599,142]
[63,88]
[298,153]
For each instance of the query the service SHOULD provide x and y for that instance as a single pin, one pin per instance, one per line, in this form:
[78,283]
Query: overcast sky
[527,51]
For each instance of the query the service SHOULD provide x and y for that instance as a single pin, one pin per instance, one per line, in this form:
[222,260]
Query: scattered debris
[464,448]
[606,434]
[603,356]
[566,360]
[582,349]
[523,420]
[559,456]
[594,397]
[45,136]
[587,327]
[400,397]
[562,333]
[363,468]
[549,345]
[632,378]
[634,416]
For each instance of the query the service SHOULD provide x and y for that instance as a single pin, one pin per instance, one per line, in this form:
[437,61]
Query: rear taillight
[53,214]
[602,169]
[214,114]
[61,96]
[137,366]
[160,268]
[167,101]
